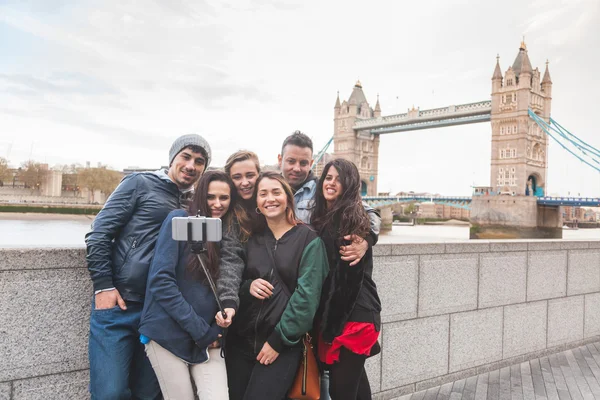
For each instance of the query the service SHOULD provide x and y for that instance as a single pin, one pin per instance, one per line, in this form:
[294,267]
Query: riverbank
[22,216]
[71,209]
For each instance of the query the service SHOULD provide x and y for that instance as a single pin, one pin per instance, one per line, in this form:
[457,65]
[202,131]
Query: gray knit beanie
[189,140]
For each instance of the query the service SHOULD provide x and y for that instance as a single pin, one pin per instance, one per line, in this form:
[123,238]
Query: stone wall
[449,310]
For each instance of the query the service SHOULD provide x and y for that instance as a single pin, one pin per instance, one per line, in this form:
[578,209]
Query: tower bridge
[519,113]
[519,146]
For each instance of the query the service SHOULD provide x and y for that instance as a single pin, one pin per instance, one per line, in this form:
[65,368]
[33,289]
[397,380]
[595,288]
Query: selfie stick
[197,251]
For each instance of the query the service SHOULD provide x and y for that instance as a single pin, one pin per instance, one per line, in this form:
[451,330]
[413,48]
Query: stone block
[373,368]
[468,247]
[591,324]
[574,244]
[584,272]
[447,283]
[397,285]
[547,275]
[27,259]
[565,320]
[524,328]
[5,391]
[594,245]
[418,248]
[414,350]
[548,244]
[44,326]
[475,338]
[502,246]
[70,385]
[502,279]
[382,250]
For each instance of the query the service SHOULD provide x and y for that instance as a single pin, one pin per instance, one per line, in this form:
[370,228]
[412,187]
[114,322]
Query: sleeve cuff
[103,282]
[372,238]
[210,336]
[275,341]
[230,303]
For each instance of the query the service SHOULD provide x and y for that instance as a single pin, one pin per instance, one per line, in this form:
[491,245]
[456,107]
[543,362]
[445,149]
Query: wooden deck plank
[582,383]
[559,379]
[470,386]
[539,389]
[505,383]
[591,362]
[482,387]
[516,383]
[549,383]
[493,392]
[418,395]
[457,389]
[445,389]
[587,372]
[569,375]
[432,393]
[527,381]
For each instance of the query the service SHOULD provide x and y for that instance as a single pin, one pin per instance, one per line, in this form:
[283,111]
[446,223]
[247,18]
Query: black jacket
[288,314]
[349,293]
[121,243]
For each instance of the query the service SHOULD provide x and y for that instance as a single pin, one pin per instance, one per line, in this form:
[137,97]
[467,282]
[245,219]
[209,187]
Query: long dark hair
[199,206]
[244,209]
[260,223]
[347,214]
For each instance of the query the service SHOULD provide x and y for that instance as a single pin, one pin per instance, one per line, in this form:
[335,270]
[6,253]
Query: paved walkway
[573,374]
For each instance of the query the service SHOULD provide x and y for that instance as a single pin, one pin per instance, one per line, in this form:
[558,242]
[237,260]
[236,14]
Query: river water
[70,232]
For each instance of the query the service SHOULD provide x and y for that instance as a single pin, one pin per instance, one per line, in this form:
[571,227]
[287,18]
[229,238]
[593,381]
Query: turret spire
[547,74]
[337,101]
[497,71]
[377,106]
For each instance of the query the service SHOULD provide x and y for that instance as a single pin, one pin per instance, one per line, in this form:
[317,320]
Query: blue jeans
[119,368]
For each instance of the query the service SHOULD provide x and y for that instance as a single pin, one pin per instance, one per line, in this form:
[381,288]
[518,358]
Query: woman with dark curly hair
[348,320]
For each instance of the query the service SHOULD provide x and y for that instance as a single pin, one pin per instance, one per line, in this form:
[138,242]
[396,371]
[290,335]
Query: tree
[410,208]
[33,174]
[103,179]
[5,174]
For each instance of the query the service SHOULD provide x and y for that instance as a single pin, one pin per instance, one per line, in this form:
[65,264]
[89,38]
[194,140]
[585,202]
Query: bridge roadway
[573,374]
[464,201]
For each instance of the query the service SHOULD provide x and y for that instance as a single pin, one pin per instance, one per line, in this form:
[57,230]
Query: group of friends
[295,258]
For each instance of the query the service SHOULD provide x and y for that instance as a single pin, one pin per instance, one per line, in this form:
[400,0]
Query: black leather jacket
[121,243]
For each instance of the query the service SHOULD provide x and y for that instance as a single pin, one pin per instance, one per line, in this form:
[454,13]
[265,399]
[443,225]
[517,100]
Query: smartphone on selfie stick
[196,231]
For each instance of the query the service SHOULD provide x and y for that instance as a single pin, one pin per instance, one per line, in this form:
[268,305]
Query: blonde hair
[239,156]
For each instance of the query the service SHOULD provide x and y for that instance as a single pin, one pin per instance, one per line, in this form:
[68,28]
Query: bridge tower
[360,147]
[519,162]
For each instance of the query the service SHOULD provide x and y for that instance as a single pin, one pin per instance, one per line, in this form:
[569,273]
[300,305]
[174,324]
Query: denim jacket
[304,199]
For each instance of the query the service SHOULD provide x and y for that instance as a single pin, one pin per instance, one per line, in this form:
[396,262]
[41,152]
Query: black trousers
[250,380]
[348,379]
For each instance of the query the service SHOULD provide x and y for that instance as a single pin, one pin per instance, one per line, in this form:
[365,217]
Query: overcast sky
[117,81]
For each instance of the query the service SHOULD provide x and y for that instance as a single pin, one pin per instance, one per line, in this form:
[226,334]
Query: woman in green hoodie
[285,270]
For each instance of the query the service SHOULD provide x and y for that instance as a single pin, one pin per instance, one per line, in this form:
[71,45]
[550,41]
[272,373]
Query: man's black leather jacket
[121,243]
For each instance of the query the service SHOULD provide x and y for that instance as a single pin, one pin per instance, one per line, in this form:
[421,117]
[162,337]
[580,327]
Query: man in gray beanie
[120,247]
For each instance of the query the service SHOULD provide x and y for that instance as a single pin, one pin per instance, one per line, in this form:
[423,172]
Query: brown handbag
[307,383]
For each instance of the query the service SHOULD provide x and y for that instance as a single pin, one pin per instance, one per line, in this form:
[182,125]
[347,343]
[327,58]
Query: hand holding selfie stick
[197,247]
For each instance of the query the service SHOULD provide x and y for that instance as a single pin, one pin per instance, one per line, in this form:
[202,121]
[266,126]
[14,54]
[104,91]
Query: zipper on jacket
[261,304]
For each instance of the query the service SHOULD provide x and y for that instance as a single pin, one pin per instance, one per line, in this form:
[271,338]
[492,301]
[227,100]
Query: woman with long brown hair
[286,266]
[348,321]
[243,168]
[178,323]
